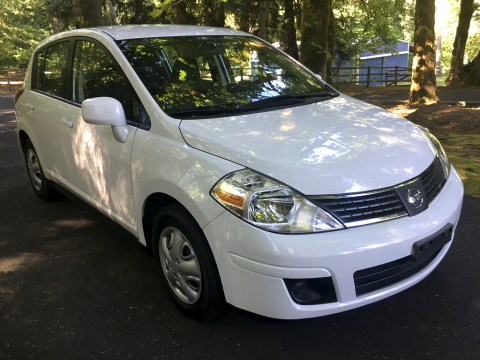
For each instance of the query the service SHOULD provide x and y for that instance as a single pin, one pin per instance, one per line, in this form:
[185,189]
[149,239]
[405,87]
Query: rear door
[49,109]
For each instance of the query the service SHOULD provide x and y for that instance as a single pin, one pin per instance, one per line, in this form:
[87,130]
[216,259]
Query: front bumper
[253,262]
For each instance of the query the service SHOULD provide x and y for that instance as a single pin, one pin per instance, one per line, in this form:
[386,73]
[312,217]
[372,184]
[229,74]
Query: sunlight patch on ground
[14,263]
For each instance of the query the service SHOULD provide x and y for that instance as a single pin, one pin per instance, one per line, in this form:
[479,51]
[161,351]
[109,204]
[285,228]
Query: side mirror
[106,111]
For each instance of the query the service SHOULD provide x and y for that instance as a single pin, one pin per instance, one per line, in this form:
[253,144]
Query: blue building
[383,59]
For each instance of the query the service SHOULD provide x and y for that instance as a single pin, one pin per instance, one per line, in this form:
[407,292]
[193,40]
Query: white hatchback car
[252,180]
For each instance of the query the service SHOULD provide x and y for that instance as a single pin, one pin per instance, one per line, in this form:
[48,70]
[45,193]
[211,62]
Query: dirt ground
[352,89]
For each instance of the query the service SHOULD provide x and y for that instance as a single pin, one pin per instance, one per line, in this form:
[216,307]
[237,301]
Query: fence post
[368,76]
[396,74]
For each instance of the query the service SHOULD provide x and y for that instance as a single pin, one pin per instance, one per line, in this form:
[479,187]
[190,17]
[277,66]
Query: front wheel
[189,272]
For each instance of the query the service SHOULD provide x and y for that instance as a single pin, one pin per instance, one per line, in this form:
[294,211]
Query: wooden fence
[367,76]
[387,75]
[12,78]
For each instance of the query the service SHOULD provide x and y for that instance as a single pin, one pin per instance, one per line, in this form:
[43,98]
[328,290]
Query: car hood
[337,146]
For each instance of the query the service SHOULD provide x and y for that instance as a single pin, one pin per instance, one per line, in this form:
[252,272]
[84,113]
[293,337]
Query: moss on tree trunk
[423,88]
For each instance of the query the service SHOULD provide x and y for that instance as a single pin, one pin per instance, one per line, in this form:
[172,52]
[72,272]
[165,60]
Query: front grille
[361,209]
[433,179]
[377,277]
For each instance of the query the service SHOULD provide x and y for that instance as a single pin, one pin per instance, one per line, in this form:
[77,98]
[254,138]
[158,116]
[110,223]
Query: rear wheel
[40,184]
[189,272]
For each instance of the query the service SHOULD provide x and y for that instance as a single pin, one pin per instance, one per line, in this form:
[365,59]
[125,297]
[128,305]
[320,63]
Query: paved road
[470,98]
[74,286]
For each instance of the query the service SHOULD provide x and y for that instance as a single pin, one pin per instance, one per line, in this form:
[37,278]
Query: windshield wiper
[204,110]
[287,98]
[284,99]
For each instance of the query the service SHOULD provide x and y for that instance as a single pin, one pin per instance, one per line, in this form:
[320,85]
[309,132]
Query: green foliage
[23,23]
[366,25]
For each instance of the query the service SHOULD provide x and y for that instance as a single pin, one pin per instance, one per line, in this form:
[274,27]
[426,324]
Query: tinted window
[96,74]
[55,70]
[38,70]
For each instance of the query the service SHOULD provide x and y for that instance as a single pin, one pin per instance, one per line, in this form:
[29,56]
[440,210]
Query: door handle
[67,122]
[31,106]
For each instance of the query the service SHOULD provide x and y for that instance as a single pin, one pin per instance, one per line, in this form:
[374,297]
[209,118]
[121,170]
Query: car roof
[125,32]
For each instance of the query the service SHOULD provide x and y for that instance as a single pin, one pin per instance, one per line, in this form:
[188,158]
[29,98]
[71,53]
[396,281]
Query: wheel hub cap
[180,265]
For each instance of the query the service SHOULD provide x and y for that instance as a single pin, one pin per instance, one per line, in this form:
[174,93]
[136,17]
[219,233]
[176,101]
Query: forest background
[330,29]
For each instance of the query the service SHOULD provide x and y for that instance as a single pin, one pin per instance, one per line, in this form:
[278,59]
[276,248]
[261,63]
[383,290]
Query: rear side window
[55,70]
[38,71]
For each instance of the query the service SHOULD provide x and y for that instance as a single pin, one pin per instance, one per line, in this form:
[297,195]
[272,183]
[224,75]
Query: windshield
[198,76]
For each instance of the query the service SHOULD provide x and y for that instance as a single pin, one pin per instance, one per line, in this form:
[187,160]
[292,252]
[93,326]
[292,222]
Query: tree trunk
[113,14]
[242,17]
[213,13]
[262,19]
[55,24]
[252,21]
[314,36]
[273,20]
[139,12]
[91,13]
[474,77]
[331,46]
[423,88]
[456,67]
[289,43]
[180,15]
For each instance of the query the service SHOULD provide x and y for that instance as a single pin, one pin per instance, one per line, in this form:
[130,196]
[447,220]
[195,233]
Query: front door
[102,163]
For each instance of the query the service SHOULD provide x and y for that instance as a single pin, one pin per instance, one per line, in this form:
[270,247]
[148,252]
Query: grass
[464,153]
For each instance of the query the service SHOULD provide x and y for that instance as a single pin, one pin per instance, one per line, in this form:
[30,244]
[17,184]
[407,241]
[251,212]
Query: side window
[37,78]
[55,70]
[96,74]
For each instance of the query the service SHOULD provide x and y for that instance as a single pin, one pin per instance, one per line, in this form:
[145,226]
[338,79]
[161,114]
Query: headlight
[271,205]
[439,149]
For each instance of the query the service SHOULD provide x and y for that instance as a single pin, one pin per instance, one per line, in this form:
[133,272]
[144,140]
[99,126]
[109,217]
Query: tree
[23,23]
[331,46]
[91,13]
[367,26]
[262,19]
[314,35]
[456,67]
[213,13]
[474,77]
[180,14]
[423,88]
[289,41]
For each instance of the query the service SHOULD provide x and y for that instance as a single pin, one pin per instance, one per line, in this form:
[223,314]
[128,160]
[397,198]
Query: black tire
[200,293]
[39,182]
